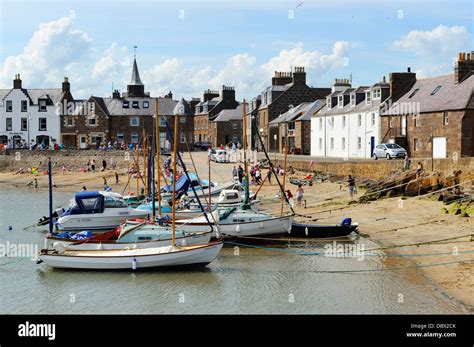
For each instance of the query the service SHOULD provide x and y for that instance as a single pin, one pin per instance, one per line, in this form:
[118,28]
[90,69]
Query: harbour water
[240,280]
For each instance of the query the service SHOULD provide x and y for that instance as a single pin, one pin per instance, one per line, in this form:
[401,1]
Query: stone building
[294,127]
[227,127]
[433,116]
[287,90]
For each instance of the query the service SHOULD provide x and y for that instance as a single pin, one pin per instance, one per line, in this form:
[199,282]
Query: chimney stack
[341,84]
[66,86]
[463,66]
[282,78]
[210,94]
[299,76]
[116,94]
[17,82]
[400,83]
[228,93]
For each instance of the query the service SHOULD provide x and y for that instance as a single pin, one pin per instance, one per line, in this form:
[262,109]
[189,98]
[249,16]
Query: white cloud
[441,40]
[49,52]
[113,62]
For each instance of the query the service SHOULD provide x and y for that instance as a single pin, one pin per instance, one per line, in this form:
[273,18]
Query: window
[415,144]
[182,137]
[24,124]
[161,121]
[359,120]
[91,121]
[332,143]
[42,124]
[416,118]
[134,137]
[353,99]
[328,102]
[445,118]
[390,122]
[340,101]
[135,104]
[343,121]
[320,123]
[376,93]
[373,119]
[125,104]
[9,124]
[367,98]
[235,125]
[332,122]
[24,105]
[120,137]
[359,142]
[42,105]
[96,139]
[69,121]
[134,121]
[235,138]
[343,143]
[182,119]
[320,143]
[413,93]
[146,104]
[9,106]
[435,90]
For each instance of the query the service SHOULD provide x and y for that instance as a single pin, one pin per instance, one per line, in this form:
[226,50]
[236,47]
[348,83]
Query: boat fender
[134,246]
[134,263]
[306,231]
[59,247]
[261,225]
[237,228]
[183,242]
[99,247]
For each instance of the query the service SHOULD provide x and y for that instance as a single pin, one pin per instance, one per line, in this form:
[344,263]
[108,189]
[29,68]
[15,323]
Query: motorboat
[345,228]
[96,211]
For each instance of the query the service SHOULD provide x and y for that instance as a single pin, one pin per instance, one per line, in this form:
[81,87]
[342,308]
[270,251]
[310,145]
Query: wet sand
[418,227]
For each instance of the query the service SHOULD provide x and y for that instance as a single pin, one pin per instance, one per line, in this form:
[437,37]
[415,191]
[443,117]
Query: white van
[220,156]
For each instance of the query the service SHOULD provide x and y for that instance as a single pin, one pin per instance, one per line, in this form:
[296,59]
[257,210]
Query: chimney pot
[409,69]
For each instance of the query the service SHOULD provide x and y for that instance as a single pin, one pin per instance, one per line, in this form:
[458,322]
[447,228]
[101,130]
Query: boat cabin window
[112,202]
[232,196]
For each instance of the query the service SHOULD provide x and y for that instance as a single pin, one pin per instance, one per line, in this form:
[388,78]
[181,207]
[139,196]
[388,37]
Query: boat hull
[161,257]
[59,243]
[321,231]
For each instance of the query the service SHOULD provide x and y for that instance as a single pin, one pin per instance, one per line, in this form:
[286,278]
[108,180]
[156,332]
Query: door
[403,126]
[82,142]
[439,147]
[372,145]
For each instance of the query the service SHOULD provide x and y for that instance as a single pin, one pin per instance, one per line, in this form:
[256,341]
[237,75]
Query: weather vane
[135,51]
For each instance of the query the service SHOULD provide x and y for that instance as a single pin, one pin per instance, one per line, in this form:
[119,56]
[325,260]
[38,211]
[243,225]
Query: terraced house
[287,90]
[31,116]
[434,116]
[207,110]
[348,126]
[124,118]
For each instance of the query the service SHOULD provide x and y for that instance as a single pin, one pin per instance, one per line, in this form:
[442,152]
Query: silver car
[389,151]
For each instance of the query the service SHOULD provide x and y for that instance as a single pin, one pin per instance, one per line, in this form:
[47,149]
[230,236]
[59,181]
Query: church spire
[135,88]
[135,80]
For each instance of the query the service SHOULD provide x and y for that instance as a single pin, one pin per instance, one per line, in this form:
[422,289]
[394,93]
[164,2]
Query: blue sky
[189,46]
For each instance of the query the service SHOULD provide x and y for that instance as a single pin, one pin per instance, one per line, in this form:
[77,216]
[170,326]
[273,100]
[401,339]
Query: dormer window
[145,104]
[125,104]
[42,105]
[328,102]
[376,93]
[340,101]
[353,99]
[367,98]
[135,104]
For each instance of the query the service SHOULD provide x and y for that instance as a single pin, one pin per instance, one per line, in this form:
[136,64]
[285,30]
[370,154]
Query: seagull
[300,4]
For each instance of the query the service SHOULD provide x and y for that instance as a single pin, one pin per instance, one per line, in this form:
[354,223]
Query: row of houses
[428,117]
[432,116]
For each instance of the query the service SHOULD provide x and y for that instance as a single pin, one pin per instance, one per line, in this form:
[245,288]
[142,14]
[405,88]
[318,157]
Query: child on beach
[299,195]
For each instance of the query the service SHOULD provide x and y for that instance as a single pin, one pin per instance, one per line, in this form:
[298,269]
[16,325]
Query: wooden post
[175,148]
[284,169]
[157,152]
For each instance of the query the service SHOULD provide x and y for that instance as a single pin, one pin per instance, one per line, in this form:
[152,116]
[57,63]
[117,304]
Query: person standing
[270,172]
[299,195]
[240,171]
[116,178]
[93,165]
[104,165]
[235,173]
[419,170]
[258,176]
[406,163]
[64,168]
[351,185]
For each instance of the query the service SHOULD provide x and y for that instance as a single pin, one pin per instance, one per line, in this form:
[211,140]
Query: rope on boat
[302,252]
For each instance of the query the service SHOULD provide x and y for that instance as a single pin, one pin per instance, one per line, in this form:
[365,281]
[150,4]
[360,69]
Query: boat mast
[152,169]
[157,152]
[285,148]
[246,199]
[175,148]
[145,166]
[50,193]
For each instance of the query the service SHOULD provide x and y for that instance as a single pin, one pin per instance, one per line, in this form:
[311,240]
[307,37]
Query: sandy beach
[417,228]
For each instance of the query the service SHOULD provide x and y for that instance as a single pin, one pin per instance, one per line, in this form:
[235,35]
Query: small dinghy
[322,231]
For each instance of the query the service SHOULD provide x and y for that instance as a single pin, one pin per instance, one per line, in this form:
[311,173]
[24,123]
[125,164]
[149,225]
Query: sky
[189,46]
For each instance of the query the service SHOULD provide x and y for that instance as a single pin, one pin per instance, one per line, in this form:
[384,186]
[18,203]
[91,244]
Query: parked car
[220,156]
[389,151]
[204,145]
